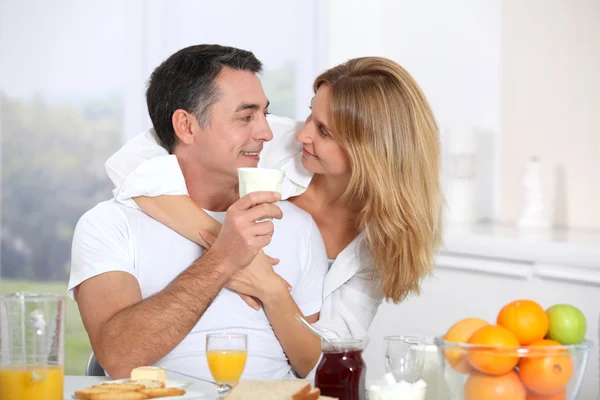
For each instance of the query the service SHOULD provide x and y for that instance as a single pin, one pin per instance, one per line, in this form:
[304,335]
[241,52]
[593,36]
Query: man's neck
[210,191]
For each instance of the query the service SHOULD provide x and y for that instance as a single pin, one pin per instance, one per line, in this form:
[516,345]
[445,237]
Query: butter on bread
[149,374]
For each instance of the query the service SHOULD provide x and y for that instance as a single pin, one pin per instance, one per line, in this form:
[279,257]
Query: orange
[526,319]
[562,395]
[460,332]
[497,360]
[503,387]
[544,371]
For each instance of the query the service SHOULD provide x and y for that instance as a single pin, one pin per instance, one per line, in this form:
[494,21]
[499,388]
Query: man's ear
[183,122]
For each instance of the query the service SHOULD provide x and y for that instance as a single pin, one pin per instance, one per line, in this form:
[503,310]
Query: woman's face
[321,153]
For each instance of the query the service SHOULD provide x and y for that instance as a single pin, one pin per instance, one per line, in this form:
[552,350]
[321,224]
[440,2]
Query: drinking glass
[405,356]
[226,355]
[32,343]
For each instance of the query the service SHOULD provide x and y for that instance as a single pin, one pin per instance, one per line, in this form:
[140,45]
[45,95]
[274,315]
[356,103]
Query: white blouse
[351,294]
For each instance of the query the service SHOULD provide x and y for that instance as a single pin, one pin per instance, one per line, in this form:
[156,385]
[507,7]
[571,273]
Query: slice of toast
[148,383]
[155,393]
[270,390]
[128,387]
[119,395]
[86,394]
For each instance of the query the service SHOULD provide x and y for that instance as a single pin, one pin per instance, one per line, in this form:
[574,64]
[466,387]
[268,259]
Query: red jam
[342,371]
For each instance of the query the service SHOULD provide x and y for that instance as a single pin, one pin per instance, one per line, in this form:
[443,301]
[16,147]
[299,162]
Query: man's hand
[256,280]
[241,237]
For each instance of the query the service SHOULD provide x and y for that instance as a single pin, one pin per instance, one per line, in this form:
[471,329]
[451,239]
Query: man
[147,295]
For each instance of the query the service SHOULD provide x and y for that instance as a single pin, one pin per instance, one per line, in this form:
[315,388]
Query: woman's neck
[328,191]
[334,215]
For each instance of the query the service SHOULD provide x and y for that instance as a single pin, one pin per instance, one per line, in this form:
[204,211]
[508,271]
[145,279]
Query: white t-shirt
[114,237]
[352,292]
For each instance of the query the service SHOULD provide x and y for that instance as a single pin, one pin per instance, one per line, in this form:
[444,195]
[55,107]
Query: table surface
[74,383]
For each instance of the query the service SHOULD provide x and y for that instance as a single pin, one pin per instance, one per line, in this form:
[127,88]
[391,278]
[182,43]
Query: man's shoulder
[107,215]
[294,214]
[295,222]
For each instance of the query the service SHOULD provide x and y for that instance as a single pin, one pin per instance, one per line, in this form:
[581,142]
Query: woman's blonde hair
[382,119]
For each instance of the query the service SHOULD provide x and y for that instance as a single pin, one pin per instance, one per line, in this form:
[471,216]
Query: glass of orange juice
[32,328]
[226,355]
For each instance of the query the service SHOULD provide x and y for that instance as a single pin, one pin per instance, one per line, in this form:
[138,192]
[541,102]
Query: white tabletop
[74,383]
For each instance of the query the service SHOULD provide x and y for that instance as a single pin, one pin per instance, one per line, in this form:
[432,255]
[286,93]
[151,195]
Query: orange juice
[19,383]
[226,366]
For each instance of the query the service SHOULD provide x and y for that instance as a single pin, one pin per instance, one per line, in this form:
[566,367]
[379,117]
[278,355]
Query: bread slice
[148,383]
[128,387]
[114,389]
[119,395]
[270,390]
[156,393]
[86,394]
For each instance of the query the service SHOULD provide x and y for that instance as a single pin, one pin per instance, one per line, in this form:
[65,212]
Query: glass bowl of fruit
[545,370]
[529,354]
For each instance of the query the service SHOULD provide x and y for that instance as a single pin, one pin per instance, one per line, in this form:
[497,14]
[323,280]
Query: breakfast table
[431,374]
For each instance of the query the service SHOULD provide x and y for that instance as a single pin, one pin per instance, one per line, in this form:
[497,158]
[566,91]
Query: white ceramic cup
[259,180]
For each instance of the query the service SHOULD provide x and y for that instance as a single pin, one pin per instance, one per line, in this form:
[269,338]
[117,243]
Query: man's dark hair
[185,81]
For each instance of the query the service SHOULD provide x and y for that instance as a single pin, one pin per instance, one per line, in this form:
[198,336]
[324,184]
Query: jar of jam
[342,370]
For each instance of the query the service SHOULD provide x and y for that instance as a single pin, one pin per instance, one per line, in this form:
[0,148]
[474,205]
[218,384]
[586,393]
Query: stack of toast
[132,390]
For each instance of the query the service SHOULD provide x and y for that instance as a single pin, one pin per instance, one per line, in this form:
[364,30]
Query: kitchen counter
[504,242]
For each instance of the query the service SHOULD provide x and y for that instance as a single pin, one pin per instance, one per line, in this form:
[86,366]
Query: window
[72,81]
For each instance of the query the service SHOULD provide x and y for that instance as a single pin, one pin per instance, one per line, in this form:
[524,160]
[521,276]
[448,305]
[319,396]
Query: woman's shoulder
[133,153]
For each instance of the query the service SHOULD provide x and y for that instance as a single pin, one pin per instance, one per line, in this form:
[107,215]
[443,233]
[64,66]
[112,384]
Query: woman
[368,171]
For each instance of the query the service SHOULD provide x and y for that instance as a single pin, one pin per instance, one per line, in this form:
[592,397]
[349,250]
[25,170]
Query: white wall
[550,106]
[451,48]
[453,51]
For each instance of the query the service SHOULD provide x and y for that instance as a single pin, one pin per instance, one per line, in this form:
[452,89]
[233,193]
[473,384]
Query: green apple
[567,324]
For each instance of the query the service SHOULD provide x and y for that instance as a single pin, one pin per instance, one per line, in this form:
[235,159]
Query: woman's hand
[257,280]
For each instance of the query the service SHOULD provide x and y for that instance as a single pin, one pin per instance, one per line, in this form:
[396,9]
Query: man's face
[238,126]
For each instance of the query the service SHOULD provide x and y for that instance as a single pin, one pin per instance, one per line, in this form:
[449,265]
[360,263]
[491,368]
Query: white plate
[186,396]
[170,383]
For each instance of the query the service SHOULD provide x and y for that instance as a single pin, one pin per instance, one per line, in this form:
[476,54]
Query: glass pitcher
[32,342]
